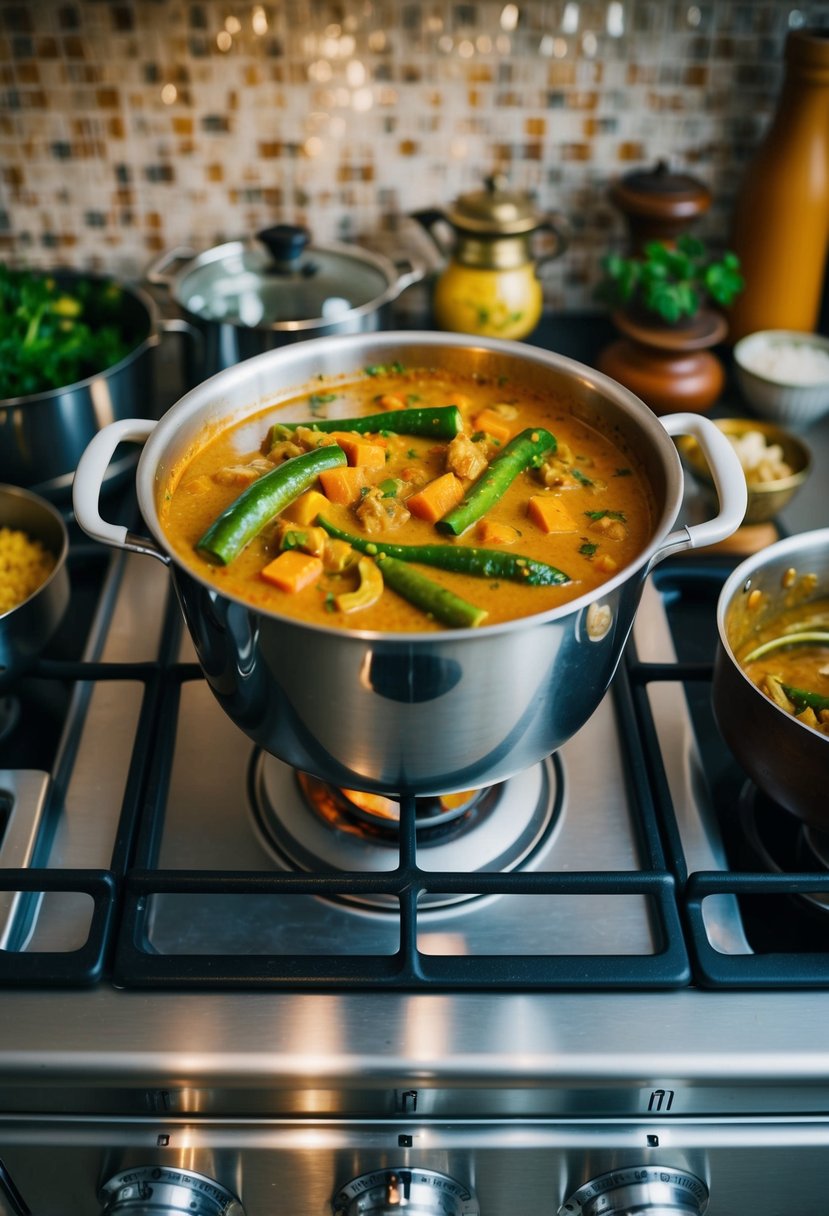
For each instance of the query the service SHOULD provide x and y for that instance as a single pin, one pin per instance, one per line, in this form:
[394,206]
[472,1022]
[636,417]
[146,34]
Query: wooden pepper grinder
[658,204]
[781,215]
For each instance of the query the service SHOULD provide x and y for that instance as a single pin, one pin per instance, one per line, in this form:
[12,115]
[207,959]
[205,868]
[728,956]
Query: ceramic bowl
[765,498]
[784,375]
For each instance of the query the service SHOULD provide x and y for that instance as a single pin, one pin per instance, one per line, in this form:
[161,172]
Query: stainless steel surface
[433,712]
[786,759]
[641,1188]
[26,628]
[43,435]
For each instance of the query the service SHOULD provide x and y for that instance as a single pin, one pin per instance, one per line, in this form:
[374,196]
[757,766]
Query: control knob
[652,1190]
[157,1190]
[417,1192]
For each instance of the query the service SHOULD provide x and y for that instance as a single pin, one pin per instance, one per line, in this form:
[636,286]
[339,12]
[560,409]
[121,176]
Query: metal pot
[414,712]
[26,628]
[784,758]
[42,435]
[250,296]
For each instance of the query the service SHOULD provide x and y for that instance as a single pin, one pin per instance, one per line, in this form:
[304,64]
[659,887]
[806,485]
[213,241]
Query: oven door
[78,1167]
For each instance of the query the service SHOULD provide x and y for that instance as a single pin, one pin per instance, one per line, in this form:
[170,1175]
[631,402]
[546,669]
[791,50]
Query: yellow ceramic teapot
[489,284]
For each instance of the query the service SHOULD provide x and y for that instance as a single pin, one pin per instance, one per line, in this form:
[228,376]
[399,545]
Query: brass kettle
[489,284]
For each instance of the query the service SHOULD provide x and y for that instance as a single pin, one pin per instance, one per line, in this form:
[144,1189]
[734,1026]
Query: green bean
[442,422]
[527,448]
[465,559]
[432,598]
[262,500]
[804,637]
[806,698]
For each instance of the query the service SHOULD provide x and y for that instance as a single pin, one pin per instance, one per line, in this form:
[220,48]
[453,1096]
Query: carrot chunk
[493,424]
[549,513]
[292,570]
[343,485]
[435,499]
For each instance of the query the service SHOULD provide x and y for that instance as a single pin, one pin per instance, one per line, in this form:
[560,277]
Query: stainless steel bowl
[422,713]
[25,629]
[785,759]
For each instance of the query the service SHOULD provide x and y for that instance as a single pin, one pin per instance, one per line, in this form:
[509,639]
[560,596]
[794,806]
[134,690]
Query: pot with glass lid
[489,285]
[249,296]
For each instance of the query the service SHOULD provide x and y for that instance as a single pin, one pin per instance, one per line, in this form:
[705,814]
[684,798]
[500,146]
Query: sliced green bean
[257,505]
[802,638]
[464,559]
[806,698]
[442,422]
[528,448]
[432,598]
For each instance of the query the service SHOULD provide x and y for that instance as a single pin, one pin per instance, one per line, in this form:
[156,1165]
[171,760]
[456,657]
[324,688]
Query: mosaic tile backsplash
[130,128]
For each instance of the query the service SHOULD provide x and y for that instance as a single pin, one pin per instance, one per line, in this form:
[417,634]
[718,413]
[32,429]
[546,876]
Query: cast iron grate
[119,949]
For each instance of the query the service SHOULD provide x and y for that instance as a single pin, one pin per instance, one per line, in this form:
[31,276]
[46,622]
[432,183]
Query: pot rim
[800,545]
[152,339]
[192,403]
[396,281]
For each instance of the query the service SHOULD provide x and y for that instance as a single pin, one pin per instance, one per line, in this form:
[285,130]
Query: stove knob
[156,1190]
[653,1190]
[417,1192]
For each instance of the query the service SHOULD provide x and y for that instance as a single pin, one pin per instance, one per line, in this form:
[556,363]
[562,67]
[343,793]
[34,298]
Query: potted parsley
[671,282]
[667,303]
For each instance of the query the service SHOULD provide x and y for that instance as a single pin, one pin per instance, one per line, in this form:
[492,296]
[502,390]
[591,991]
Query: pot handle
[89,477]
[729,482]
[157,272]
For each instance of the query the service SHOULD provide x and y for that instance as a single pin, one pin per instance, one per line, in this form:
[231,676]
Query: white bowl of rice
[784,375]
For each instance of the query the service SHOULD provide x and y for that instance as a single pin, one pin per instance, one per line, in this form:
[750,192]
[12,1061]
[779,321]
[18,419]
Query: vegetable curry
[409,500]
[788,660]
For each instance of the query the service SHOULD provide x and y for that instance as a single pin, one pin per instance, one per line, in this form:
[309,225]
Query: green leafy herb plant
[672,282]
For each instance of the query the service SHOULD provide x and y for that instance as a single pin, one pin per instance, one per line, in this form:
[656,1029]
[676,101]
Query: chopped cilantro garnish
[622,473]
[329,603]
[620,515]
[319,399]
[581,477]
[588,548]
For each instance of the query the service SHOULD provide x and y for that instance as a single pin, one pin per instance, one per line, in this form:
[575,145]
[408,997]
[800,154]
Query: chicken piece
[611,529]
[378,514]
[242,474]
[465,458]
[286,449]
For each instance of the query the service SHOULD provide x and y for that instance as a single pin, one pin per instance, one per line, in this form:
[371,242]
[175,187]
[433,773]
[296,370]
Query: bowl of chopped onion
[784,375]
[776,463]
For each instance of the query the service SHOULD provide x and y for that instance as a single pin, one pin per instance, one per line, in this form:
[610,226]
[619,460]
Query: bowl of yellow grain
[34,582]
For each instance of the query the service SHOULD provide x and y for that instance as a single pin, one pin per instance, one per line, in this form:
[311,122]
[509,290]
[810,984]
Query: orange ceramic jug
[781,215]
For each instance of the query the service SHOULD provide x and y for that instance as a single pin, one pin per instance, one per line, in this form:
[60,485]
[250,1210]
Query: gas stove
[598,987]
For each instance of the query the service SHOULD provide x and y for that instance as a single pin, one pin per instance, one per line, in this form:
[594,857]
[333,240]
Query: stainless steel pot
[42,435]
[429,712]
[785,759]
[26,628]
[250,296]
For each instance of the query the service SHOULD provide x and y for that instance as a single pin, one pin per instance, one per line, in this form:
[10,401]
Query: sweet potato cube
[305,509]
[343,485]
[292,570]
[493,425]
[491,532]
[359,451]
[549,513]
[436,498]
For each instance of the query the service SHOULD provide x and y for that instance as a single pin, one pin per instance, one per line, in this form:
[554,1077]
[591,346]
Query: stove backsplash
[129,128]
